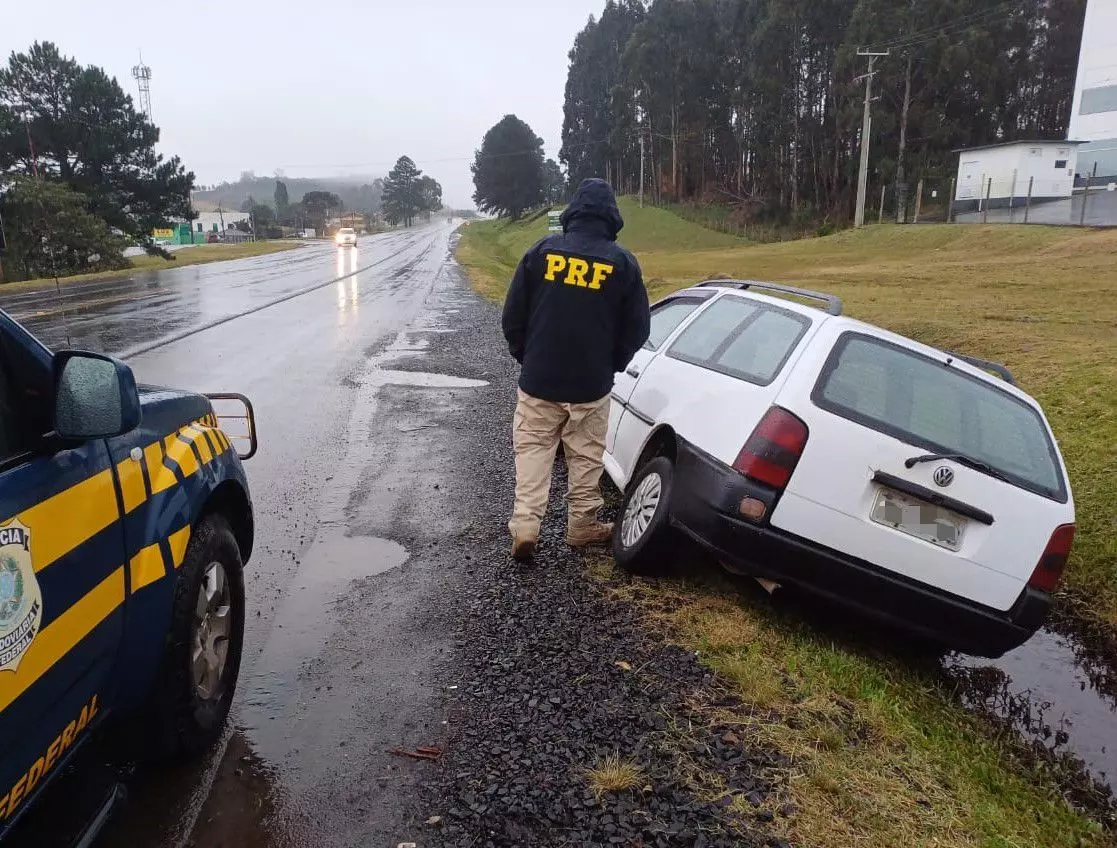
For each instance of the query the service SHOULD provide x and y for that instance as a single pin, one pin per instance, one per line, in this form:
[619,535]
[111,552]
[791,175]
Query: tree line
[759,102]
[403,195]
[79,175]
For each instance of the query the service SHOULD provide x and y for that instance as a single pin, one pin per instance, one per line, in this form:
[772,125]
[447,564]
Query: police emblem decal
[21,602]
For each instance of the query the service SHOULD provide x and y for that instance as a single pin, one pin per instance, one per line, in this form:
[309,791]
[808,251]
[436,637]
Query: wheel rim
[212,625]
[640,509]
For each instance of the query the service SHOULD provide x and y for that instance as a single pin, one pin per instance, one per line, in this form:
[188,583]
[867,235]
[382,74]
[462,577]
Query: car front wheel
[643,539]
[203,653]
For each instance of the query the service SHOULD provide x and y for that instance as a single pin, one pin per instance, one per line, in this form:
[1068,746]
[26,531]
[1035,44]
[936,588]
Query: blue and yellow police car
[125,525]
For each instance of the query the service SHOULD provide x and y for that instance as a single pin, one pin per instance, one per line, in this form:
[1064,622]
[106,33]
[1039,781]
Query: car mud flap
[113,799]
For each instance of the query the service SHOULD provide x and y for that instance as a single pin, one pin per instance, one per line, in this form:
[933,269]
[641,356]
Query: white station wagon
[917,485]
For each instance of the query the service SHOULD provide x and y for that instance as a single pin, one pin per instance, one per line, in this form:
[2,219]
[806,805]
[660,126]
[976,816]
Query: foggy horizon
[314,91]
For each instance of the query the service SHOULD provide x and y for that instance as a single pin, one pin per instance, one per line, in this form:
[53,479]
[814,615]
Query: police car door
[62,583]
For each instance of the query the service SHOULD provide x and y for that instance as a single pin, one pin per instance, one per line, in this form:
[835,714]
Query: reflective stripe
[61,636]
[180,453]
[131,479]
[62,522]
[178,541]
[146,567]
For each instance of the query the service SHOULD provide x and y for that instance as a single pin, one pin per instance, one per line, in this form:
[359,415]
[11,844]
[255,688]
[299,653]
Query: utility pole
[641,170]
[866,127]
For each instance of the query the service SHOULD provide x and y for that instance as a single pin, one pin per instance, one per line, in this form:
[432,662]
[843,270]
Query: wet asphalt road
[332,505]
[348,621]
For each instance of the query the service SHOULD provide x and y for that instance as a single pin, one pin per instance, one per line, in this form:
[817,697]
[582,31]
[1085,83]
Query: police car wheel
[207,635]
[644,542]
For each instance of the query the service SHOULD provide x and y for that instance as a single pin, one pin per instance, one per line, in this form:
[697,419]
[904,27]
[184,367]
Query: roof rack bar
[833,303]
[985,365]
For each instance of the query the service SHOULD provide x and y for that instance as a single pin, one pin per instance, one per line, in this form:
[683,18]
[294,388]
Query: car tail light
[773,450]
[1054,560]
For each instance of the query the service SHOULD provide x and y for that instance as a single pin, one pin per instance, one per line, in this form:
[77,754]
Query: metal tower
[142,74]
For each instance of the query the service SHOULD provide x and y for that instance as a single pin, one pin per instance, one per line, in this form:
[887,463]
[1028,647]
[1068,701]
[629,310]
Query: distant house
[213,222]
[997,176]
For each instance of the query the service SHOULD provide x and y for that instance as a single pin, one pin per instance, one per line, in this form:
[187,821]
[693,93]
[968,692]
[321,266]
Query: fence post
[988,191]
[950,203]
[1028,202]
[880,216]
[1012,196]
[981,194]
[1086,194]
[918,200]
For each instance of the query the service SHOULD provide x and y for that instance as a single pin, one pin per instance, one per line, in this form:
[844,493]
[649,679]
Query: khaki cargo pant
[536,430]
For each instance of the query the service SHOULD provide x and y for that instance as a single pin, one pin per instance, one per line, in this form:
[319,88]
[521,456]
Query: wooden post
[1028,202]
[988,191]
[1012,195]
[918,200]
[1086,194]
[981,194]
[880,216]
[950,201]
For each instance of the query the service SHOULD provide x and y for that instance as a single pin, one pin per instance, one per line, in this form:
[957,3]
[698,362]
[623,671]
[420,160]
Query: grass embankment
[1042,300]
[880,753]
[198,255]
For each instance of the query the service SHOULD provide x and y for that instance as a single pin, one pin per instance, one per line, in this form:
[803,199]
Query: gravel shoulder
[567,723]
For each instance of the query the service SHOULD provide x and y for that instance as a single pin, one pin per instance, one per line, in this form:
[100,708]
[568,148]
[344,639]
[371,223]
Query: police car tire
[653,552]
[185,723]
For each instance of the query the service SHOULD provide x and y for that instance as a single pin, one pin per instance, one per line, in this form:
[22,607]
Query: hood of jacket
[593,207]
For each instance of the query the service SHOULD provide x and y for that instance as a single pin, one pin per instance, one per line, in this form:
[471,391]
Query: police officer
[576,312]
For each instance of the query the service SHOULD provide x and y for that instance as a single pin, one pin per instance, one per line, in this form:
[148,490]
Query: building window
[1060,164]
[199,227]
[1096,100]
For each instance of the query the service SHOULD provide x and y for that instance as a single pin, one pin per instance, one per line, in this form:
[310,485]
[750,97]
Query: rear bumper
[705,505]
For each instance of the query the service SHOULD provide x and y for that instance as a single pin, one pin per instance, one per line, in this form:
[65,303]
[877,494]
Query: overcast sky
[324,88]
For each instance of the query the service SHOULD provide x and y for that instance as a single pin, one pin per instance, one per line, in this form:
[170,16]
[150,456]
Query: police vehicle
[125,524]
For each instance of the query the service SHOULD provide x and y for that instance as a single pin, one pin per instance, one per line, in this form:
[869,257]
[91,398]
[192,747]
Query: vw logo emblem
[944,476]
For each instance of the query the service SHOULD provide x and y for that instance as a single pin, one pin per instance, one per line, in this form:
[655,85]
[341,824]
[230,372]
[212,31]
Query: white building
[1093,117]
[1006,174]
[212,222]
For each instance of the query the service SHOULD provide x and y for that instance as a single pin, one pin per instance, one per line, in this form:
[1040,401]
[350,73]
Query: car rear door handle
[632,372]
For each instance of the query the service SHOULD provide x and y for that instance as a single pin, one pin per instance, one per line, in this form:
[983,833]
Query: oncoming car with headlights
[346,237]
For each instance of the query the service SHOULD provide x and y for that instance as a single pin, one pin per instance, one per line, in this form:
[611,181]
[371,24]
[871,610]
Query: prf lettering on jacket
[576,270]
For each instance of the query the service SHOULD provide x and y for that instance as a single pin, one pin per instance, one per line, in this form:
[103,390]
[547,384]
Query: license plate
[920,519]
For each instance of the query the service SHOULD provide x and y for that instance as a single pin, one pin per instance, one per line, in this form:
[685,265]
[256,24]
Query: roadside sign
[554,224]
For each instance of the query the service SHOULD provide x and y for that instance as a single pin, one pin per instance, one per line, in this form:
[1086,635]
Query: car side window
[667,316]
[24,411]
[747,340]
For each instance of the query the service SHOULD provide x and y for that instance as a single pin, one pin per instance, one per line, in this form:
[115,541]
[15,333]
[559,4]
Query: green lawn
[197,255]
[1042,300]
[879,752]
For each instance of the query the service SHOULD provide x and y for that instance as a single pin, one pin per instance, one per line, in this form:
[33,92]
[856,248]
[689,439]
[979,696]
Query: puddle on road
[288,712]
[1043,689]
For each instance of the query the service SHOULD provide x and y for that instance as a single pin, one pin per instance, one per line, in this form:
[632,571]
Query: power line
[919,37]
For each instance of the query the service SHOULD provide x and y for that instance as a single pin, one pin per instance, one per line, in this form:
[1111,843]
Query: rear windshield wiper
[975,464]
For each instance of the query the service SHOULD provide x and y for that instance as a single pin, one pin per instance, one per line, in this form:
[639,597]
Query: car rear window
[929,404]
[741,338]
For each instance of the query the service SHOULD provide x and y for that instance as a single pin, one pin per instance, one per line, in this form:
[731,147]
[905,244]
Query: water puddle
[290,712]
[1047,691]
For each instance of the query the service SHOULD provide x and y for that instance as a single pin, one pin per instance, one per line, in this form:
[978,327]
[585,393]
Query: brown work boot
[523,549]
[589,534]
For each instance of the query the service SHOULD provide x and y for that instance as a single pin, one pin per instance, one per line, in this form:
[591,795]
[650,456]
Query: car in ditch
[800,446]
[125,526]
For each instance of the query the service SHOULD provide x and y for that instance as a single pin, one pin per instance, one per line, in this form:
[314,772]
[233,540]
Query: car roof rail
[985,365]
[833,302]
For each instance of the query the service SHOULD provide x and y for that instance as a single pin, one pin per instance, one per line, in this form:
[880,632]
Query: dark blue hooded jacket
[577,309]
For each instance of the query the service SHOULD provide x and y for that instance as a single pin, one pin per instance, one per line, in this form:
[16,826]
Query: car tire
[203,653]
[644,542]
